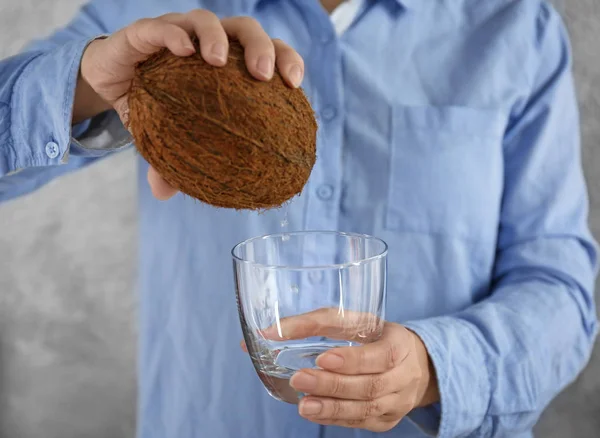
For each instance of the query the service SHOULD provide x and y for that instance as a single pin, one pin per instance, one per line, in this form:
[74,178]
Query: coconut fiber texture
[219,135]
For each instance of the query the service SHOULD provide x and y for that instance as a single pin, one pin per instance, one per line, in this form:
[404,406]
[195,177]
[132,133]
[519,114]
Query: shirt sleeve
[37,90]
[500,362]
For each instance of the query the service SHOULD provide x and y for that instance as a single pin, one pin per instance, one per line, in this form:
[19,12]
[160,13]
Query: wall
[67,260]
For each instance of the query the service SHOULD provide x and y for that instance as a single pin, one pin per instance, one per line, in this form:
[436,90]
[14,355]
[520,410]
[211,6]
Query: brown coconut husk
[219,135]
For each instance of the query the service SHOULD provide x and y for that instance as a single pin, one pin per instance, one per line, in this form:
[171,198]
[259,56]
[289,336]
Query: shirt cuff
[98,136]
[42,103]
[427,419]
[462,375]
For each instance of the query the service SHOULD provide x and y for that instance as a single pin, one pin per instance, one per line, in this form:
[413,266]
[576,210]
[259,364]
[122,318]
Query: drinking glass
[300,294]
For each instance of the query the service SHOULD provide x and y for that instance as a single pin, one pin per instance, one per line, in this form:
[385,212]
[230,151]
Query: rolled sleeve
[463,382]
[500,362]
[42,133]
[37,89]
[42,105]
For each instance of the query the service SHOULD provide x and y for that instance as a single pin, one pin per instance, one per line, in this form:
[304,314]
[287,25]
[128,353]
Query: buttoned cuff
[42,106]
[462,376]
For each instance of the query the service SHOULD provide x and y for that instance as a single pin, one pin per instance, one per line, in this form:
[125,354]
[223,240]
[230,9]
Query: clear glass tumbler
[302,293]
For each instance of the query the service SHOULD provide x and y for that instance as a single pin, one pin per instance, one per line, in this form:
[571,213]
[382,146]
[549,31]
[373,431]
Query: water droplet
[295,288]
[284,223]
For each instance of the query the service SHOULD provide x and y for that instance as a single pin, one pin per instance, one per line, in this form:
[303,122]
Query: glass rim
[378,256]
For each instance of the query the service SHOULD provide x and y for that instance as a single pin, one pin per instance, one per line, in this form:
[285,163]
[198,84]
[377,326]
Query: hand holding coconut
[109,65]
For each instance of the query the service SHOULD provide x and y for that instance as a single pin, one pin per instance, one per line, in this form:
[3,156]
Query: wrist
[431,393]
[88,102]
[429,390]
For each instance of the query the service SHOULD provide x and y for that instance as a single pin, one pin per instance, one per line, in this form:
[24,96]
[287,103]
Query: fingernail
[310,407]
[330,361]
[303,382]
[295,75]
[265,66]
[188,45]
[219,51]
[269,332]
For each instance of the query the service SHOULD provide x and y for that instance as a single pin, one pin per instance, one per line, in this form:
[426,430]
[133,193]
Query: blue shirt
[449,128]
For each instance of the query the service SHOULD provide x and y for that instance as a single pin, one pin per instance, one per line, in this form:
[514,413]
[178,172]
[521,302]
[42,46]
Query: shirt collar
[407,4]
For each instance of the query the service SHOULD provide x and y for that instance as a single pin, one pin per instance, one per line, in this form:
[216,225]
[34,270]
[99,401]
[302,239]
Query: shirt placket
[324,189]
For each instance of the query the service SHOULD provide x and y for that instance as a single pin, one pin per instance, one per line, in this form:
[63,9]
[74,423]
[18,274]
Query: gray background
[67,266]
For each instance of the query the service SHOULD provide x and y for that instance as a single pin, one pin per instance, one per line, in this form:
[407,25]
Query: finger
[259,50]
[289,63]
[121,106]
[361,327]
[377,357]
[357,410]
[160,188]
[379,425]
[362,387]
[150,35]
[214,44]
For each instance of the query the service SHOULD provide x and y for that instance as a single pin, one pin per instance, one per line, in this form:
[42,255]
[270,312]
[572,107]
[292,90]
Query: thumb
[333,323]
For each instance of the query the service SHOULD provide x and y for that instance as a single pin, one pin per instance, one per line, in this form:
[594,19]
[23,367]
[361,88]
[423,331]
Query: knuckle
[337,386]
[392,354]
[170,16]
[375,387]
[247,21]
[280,44]
[283,49]
[372,409]
[362,358]
[142,22]
[336,408]
[200,14]
[134,33]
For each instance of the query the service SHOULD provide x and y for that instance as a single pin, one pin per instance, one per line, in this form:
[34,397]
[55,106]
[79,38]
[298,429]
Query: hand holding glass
[300,294]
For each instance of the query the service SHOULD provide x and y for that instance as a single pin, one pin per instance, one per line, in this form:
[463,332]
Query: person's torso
[412,100]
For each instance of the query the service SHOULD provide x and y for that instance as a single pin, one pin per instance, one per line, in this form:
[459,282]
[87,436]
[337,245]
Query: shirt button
[393,221]
[52,149]
[315,277]
[325,192]
[326,38]
[329,113]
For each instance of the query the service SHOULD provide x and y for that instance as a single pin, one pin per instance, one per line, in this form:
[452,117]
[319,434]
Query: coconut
[219,135]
